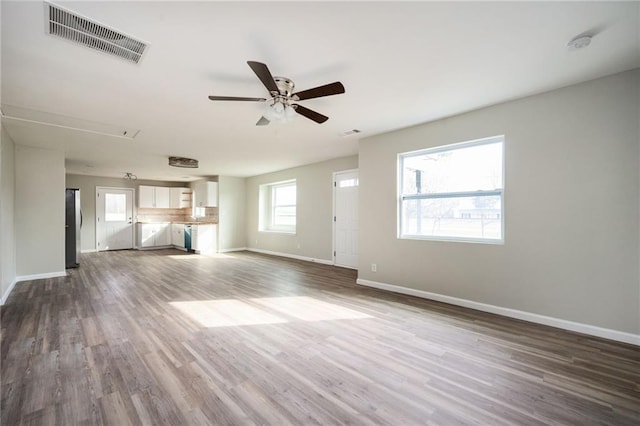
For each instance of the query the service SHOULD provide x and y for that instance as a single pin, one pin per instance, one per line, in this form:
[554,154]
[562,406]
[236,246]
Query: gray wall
[313,238]
[87,186]
[7,200]
[39,204]
[231,213]
[571,208]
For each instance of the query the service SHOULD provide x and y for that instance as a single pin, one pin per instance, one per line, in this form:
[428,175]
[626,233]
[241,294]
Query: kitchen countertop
[194,223]
[180,222]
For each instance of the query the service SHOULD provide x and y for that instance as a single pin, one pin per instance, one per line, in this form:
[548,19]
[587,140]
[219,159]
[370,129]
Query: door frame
[333,222]
[133,209]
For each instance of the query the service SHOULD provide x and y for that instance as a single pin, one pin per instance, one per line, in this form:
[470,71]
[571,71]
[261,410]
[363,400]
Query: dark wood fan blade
[235,98]
[262,122]
[320,91]
[310,114]
[263,73]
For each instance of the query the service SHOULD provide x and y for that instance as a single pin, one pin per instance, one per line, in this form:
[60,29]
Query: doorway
[114,218]
[345,218]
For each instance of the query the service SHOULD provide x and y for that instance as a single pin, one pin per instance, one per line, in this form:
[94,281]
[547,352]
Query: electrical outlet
[374,267]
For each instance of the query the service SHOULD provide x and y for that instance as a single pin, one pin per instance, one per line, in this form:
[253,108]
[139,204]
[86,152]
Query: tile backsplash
[206,215]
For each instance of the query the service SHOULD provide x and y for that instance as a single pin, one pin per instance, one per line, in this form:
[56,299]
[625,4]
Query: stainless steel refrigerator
[73,223]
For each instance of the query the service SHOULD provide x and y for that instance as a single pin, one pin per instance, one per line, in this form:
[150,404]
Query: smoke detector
[579,42]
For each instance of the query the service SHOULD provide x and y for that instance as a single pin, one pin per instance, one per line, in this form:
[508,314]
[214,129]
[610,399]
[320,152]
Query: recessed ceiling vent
[188,163]
[350,132]
[66,24]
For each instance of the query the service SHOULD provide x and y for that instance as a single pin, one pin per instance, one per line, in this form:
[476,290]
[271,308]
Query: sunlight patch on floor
[184,256]
[230,312]
[226,313]
[192,256]
[309,309]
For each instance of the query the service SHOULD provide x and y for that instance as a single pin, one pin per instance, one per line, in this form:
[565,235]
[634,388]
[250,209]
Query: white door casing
[114,218]
[345,214]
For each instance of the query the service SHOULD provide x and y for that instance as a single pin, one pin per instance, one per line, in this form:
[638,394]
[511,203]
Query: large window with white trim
[453,192]
[278,207]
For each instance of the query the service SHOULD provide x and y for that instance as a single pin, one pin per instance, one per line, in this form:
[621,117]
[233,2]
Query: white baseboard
[592,330]
[41,276]
[154,248]
[229,250]
[6,294]
[292,256]
[20,278]
[89,251]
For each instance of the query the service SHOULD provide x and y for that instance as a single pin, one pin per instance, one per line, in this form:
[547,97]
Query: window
[115,207]
[453,192]
[348,183]
[278,207]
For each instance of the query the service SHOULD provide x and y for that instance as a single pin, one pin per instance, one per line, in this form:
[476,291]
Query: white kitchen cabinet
[206,194]
[179,198]
[163,235]
[146,196]
[145,235]
[177,235]
[154,235]
[204,238]
[153,197]
[163,196]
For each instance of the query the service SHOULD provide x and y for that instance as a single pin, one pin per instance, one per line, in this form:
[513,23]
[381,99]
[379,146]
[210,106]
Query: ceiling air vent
[66,24]
[350,132]
[189,163]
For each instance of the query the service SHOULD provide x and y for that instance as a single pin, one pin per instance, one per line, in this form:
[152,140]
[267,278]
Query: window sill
[274,231]
[453,239]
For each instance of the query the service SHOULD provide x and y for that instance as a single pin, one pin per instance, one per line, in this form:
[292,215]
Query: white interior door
[345,207]
[114,218]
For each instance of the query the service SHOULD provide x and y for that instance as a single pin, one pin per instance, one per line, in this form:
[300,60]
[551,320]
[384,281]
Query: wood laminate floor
[165,338]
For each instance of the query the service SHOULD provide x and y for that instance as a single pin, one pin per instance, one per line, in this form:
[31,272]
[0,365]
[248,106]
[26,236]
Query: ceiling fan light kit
[280,106]
[279,112]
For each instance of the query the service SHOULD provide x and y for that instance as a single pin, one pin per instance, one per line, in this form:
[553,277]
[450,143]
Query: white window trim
[460,145]
[267,208]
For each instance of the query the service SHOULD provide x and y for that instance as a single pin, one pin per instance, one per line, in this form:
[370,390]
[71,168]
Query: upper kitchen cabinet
[206,194]
[180,198]
[153,197]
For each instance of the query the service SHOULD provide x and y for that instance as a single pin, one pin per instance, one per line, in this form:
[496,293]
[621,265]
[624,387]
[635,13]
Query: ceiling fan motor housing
[285,86]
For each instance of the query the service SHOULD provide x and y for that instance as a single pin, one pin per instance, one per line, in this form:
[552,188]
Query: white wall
[40,207]
[87,186]
[231,213]
[7,191]
[313,238]
[571,208]
[7,205]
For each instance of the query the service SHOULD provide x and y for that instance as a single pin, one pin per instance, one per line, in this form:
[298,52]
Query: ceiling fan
[281,106]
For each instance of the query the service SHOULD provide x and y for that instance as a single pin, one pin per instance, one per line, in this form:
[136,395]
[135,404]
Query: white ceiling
[401,64]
